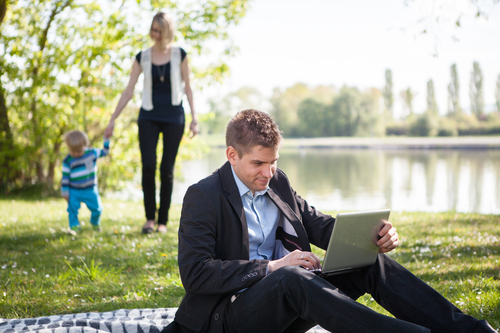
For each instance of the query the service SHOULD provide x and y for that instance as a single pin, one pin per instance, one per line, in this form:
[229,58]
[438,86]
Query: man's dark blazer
[214,245]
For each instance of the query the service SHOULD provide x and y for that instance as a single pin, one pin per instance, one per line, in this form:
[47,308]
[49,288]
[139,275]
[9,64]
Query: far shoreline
[469,142]
[390,142]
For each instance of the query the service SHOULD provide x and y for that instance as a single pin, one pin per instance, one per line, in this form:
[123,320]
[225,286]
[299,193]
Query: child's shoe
[96,227]
[75,229]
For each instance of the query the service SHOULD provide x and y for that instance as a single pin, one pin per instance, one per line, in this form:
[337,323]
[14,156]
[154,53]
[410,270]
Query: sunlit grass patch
[43,267]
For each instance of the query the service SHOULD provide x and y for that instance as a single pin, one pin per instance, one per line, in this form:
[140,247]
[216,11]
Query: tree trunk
[52,165]
[7,154]
[6,141]
[3,9]
[40,178]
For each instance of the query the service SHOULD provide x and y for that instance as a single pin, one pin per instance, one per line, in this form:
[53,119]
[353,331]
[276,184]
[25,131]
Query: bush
[424,125]
[398,129]
[447,127]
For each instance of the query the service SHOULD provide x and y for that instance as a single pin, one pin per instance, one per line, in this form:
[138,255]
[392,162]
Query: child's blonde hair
[76,141]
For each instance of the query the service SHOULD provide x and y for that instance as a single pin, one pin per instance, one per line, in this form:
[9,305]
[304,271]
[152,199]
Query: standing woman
[166,78]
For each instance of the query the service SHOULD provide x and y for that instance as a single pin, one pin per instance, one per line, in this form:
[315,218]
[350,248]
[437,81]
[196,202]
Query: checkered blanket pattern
[120,321]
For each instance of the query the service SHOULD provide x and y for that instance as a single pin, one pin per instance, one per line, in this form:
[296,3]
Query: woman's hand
[108,132]
[193,127]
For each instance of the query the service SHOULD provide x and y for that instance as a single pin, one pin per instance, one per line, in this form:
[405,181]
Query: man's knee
[293,274]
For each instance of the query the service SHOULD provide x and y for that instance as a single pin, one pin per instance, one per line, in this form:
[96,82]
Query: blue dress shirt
[262,220]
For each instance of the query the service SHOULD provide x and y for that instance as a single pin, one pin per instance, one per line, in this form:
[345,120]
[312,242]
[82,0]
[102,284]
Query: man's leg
[405,296]
[293,297]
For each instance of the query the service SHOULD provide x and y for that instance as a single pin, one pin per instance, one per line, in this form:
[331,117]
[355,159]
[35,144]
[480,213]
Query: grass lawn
[44,270]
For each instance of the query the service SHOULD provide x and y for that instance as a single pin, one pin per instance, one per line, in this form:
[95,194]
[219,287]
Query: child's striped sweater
[81,172]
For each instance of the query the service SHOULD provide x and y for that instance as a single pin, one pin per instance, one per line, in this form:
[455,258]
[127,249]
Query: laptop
[353,242]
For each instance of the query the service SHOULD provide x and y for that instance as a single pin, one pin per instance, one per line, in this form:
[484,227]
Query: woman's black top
[163,110]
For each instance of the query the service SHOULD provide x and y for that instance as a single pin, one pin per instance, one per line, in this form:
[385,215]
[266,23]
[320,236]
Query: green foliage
[432,108]
[285,106]
[489,126]
[213,122]
[387,93]
[454,92]
[497,94]
[320,112]
[222,108]
[356,114]
[407,96]
[476,91]
[447,127]
[426,124]
[63,64]
[453,125]
[315,120]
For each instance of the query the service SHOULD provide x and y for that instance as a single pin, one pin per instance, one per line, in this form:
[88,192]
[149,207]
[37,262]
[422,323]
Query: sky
[328,42]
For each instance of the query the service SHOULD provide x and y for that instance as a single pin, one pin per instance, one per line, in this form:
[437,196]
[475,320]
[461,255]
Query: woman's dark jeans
[149,132]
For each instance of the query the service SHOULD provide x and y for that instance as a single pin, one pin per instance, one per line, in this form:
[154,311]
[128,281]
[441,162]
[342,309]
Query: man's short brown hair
[250,128]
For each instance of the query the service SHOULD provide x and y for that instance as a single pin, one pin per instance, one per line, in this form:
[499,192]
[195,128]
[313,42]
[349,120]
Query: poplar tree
[497,94]
[387,93]
[407,96]
[476,91]
[432,107]
[454,93]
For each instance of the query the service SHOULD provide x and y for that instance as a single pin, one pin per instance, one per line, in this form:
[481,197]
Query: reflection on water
[361,179]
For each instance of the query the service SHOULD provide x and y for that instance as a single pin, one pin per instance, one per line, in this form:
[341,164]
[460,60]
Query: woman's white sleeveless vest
[175,77]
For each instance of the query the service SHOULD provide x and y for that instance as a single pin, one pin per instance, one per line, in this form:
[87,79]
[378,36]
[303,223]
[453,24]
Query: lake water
[360,179]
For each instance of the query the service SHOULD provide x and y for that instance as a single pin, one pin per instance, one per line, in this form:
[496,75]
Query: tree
[476,91]
[353,113]
[313,119]
[8,167]
[223,108]
[64,62]
[432,107]
[407,96]
[497,94]
[454,93]
[285,107]
[388,96]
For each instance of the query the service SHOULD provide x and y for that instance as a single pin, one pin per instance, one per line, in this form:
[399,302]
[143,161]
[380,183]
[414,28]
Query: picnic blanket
[119,321]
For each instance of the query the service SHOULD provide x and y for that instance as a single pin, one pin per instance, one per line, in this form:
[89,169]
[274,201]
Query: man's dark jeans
[291,299]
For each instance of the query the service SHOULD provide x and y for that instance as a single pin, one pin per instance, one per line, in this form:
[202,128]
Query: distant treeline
[323,111]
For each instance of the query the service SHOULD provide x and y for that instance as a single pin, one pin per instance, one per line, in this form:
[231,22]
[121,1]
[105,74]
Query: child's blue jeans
[90,196]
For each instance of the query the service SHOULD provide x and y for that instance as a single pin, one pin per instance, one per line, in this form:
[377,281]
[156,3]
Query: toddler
[79,178]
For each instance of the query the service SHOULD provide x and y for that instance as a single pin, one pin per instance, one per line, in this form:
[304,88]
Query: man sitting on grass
[244,241]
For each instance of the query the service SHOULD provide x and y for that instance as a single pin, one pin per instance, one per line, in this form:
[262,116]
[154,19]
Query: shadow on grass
[29,193]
